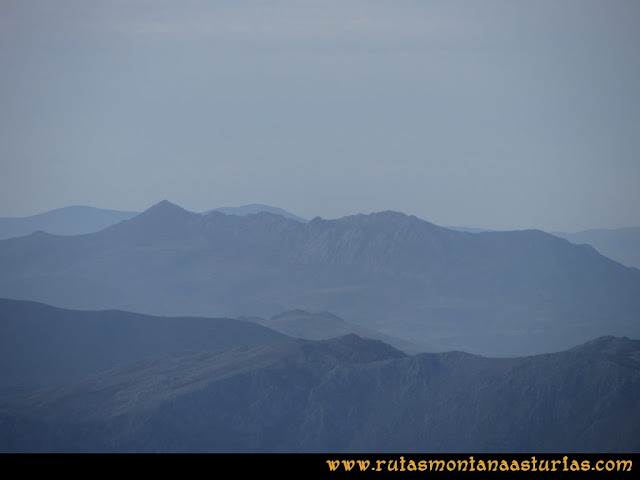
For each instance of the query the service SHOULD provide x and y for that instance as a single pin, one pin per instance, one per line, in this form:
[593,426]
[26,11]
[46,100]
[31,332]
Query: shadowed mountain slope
[42,346]
[498,293]
[342,395]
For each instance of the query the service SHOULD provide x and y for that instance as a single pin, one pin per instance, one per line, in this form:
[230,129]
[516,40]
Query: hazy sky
[497,114]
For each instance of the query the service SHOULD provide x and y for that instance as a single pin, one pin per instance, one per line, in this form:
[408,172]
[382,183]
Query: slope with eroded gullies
[342,395]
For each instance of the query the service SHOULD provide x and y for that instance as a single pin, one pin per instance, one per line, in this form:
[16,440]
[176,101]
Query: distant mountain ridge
[80,219]
[256,208]
[73,220]
[495,293]
[346,394]
[621,244]
[325,325]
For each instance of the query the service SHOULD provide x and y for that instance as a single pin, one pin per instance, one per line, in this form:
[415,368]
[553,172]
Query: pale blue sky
[497,114]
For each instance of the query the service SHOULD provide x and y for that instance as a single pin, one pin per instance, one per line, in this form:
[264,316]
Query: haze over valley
[337,226]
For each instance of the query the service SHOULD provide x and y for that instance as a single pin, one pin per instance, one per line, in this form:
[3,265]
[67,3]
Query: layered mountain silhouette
[620,244]
[256,208]
[43,346]
[341,395]
[74,220]
[81,219]
[493,293]
[325,325]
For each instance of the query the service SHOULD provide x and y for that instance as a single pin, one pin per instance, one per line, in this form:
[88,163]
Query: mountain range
[490,293]
[621,245]
[345,394]
[80,219]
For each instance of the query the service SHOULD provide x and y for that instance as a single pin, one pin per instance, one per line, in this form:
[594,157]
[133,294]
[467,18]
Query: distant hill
[74,220]
[492,293]
[325,325]
[43,346]
[342,395]
[256,208]
[621,245]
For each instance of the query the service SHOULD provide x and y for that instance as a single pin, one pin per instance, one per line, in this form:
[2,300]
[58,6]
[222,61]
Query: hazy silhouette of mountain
[472,229]
[621,244]
[44,346]
[74,220]
[80,219]
[498,293]
[342,395]
[325,325]
[256,208]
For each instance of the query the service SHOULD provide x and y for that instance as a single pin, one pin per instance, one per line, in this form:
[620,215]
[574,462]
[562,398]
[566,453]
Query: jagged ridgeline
[492,293]
[341,395]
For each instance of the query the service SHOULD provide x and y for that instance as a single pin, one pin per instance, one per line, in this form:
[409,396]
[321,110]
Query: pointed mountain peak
[162,220]
[165,211]
[165,206]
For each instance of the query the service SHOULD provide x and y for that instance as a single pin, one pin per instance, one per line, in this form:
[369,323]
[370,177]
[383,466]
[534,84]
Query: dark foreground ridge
[44,346]
[345,394]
